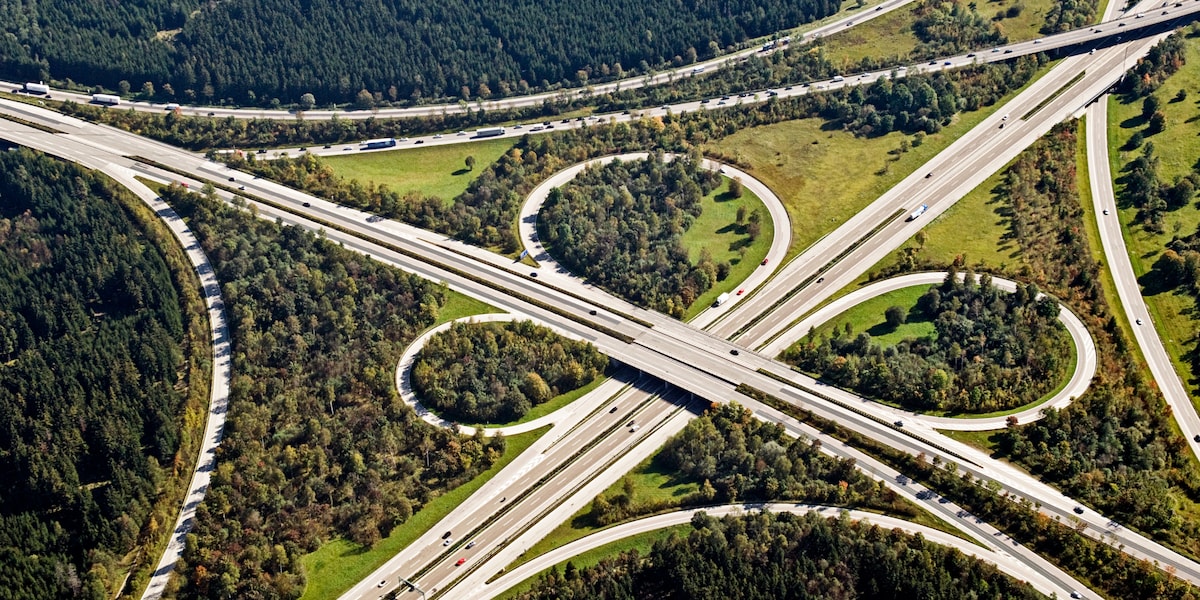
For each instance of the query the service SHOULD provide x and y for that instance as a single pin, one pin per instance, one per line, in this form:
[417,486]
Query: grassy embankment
[891,35]
[717,230]
[433,170]
[824,175]
[339,564]
[1173,312]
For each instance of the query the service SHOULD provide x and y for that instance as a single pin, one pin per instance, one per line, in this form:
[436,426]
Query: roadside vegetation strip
[796,290]
[623,337]
[1048,99]
[339,564]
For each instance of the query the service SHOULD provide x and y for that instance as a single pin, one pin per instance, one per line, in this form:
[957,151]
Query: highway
[682,370]
[1083,36]
[691,360]
[1116,256]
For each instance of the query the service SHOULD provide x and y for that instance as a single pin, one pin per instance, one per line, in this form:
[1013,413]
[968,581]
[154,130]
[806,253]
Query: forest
[736,457]
[92,386]
[391,51]
[990,351]
[620,226]
[767,556]
[318,443]
[496,372]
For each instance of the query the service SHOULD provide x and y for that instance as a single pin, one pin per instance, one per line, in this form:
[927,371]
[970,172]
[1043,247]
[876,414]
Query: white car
[437,136]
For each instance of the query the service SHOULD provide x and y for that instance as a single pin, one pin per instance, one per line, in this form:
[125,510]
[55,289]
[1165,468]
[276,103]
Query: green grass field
[435,170]
[825,177]
[1177,148]
[891,35]
[868,316]
[717,230]
[460,305]
[339,564]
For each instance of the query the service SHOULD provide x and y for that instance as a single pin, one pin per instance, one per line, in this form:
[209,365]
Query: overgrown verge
[317,443]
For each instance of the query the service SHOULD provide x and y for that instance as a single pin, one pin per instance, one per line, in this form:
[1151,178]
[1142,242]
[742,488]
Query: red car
[741,291]
[765,261]
[460,562]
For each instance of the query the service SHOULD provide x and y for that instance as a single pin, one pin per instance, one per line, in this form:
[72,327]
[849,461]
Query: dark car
[306,205]
[734,352]
[533,274]
[447,535]
[1079,510]
[232,179]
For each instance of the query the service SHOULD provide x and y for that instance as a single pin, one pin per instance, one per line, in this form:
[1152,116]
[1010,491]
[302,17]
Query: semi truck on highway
[916,213]
[36,88]
[489,132]
[722,299]
[108,99]
[379,143]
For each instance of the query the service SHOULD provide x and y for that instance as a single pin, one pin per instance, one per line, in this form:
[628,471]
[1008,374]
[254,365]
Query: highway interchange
[698,364]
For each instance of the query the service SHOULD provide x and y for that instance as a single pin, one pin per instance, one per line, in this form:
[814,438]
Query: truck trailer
[917,213]
[489,132]
[722,299]
[108,99]
[36,88]
[379,143]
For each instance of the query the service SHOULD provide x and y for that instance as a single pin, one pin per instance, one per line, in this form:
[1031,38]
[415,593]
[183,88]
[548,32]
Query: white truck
[917,213]
[36,88]
[722,299]
[489,132]
[108,99]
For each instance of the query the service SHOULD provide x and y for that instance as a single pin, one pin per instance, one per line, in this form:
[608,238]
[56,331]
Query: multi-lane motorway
[694,361]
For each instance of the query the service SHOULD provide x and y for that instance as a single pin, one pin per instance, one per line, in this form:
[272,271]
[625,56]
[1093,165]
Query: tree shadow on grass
[461,172]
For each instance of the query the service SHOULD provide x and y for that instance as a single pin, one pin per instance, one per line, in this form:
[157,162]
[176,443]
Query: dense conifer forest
[990,350]
[769,556]
[496,372]
[259,51]
[318,443]
[92,343]
[621,226]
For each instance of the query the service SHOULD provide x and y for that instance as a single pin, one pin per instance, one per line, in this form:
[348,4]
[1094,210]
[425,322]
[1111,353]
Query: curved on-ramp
[1005,563]
[781,227]
[221,374]
[1081,378]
